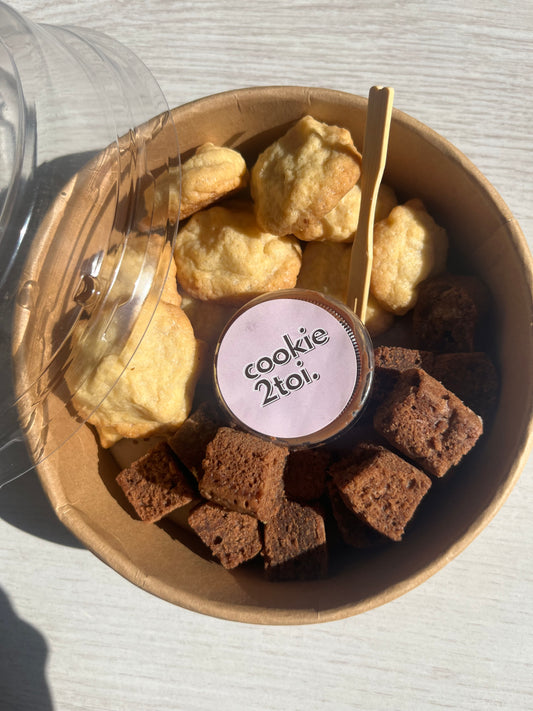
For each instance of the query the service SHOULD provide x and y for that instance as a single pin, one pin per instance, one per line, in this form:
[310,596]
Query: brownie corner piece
[232,537]
[156,484]
[295,543]
[427,422]
[380,488]
[244,473]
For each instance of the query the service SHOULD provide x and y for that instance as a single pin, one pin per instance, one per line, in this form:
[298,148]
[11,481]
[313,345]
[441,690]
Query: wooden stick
[375,145]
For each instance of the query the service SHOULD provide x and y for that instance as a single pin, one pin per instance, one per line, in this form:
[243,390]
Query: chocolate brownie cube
[305,474]
[448,313]
[295,543]
[244,473]
[389,362]
[472,377]
[380,488]
[232,537]
[156,484]
[353,530]
[427,422]
[190,441]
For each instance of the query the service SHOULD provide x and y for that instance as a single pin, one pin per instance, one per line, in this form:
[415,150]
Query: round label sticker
[287,368]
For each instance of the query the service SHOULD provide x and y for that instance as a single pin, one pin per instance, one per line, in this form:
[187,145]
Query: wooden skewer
[375,145]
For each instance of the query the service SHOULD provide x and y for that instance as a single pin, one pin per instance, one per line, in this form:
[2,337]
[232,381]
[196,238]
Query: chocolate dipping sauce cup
[294,367]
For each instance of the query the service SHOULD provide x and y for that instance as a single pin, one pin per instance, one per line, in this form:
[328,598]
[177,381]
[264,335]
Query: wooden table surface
[74,635]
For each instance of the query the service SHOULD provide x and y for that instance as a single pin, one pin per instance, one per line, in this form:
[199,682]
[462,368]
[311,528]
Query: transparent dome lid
[83,252]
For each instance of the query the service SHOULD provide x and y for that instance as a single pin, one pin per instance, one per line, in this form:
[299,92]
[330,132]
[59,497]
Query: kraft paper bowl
[163,558]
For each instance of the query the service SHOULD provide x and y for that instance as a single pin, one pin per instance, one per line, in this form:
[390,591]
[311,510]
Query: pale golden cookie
[154,390]
[223,255]
[210,174]
[139,264]
[302,176]
[340,224]
[409,247]
[325,268]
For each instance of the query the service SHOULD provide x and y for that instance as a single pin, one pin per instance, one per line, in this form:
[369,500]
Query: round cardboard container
[79,478]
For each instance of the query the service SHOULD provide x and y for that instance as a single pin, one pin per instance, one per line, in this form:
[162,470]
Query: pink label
[287,368]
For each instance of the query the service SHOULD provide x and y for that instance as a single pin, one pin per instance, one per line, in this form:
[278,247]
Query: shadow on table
[23,504]
[23,656]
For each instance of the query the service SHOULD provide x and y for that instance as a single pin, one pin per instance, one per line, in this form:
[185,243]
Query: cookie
[210,174]
[302,176]
[153,383]
[222,255]
[409,247]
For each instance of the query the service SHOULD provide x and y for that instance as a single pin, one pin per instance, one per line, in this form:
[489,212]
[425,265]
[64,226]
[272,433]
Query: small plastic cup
[294,367]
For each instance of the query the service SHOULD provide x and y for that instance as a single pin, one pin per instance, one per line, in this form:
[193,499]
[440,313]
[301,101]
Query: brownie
[389,362]
[190,441]
[353,530]
[427,422]
[472,377]
[232,537]
[380,488]
[448,312]
[244,473]
[156,484]
[305,474]
[295,543]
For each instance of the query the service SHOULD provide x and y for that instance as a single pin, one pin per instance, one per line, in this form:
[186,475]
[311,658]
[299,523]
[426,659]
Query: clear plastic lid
[82,255]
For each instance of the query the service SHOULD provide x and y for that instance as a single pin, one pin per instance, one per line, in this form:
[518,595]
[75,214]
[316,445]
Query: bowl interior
[79,477]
